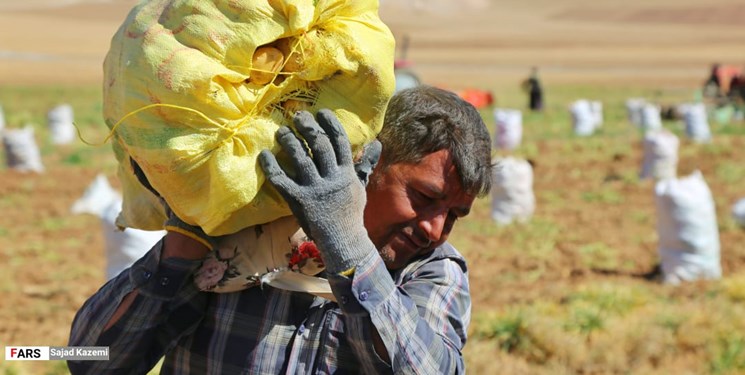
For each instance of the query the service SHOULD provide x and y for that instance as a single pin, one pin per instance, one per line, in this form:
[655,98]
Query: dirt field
[479,43]
[667,46]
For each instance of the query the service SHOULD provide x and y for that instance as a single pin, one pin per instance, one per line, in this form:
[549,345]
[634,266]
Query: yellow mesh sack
[194,90]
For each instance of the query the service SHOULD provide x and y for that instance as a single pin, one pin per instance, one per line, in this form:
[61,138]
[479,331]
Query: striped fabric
[421,313]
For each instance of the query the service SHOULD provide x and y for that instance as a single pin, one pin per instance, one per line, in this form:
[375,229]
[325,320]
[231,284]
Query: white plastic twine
[60,122]
[22,153]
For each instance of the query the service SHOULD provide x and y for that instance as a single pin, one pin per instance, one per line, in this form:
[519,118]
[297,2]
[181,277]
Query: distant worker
[737,87]
[736,94]
[713,86]
[532,86]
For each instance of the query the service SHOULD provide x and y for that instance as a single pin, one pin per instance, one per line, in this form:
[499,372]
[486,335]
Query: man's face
[411,208]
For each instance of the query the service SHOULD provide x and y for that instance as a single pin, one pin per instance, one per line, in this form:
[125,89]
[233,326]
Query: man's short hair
[425,119]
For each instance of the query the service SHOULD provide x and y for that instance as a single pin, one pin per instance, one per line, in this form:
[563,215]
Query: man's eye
[421,197]
[450,222]
[452,217]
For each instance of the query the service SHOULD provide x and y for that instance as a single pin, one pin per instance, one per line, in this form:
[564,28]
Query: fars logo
[26,353]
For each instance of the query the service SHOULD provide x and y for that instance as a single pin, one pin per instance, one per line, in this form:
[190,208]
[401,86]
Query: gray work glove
[365,163]
[173,223]
[326,195]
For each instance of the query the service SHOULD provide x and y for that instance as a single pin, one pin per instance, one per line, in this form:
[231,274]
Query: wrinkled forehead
[438,176]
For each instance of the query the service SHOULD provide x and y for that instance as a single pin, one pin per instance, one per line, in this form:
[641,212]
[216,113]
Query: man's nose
[433,226]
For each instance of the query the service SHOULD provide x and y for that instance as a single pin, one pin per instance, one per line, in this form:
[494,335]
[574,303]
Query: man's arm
[421,325]
[141,313]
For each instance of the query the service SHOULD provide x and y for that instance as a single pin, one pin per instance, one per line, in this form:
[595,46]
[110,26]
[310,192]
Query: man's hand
[365,163]
[326,195]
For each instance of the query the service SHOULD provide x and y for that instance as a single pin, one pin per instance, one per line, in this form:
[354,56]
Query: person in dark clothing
[535,92]
[736,94]
[713,86]
[737,88]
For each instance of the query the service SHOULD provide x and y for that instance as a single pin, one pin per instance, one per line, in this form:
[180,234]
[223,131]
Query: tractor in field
[406,76]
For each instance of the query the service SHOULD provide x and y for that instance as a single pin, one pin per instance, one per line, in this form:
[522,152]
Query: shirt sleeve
[167,306]
[422,323]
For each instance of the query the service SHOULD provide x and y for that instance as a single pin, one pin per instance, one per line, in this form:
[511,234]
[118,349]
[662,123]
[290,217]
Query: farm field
[572,291]
[566,291]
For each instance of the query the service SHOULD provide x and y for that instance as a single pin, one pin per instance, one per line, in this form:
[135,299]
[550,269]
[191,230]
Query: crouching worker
[402,290]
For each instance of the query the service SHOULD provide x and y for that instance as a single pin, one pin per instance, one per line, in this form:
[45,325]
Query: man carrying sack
[402,290]
[248,129]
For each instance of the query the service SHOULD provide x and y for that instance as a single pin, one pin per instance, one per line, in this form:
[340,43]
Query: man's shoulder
[447,251]
[441,254]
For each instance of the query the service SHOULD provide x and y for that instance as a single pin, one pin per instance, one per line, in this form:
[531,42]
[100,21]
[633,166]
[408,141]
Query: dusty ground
[486,44]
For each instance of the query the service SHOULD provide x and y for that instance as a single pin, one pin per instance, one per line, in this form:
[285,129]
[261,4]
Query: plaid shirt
[421,313]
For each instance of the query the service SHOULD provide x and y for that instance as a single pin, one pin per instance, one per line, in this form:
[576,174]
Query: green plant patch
[54,224]
[610,298]
[731,172]
[604,195]
[585,320]
[598,255]
[728,355]
[734,288]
